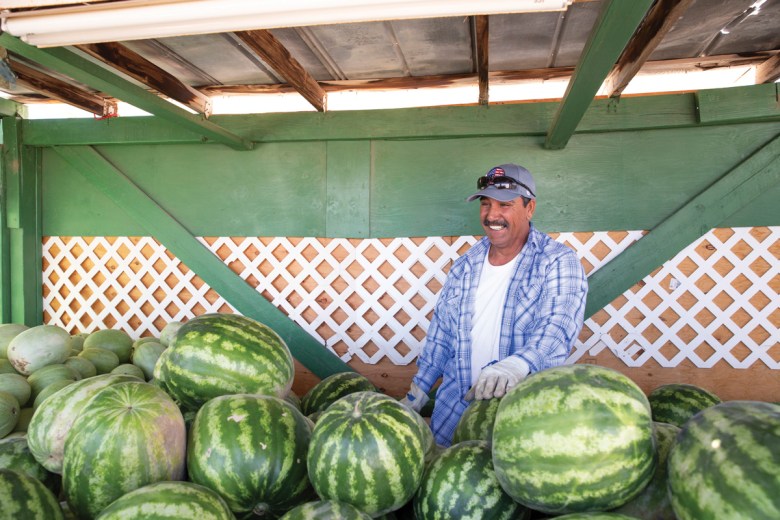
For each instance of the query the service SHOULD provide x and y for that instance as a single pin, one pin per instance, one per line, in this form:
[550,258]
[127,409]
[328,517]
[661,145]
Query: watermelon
[53,419]
[25,497]
[222,354]
[37,347]
[47,375]
[104,360]
[15,454]
[129,435]
[676,403]
[6,367]
[461,483]
[370,439]
[50,390]
[653,502]
[594,516]
[333,387]
[325,510]
[81,365]
[77,343]
[169,332]
[25,416]
[9,413]
[293,399]
[477,421]
[16,385]
[725,463]
[129,369]
[145,356]
[574,438]
[9,331]
[251,449]
[117,341]
[168,500]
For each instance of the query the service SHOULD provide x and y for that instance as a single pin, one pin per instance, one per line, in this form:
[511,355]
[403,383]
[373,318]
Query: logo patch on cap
[495,172]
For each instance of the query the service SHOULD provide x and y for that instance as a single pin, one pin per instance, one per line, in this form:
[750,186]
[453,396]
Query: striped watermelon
[332,388]
[168,500]
[370,439]
[477,421]
[461,483]
[325,510]
[127,436]
[15,455]
[676,403]
[574,438]
[53,419]
[25,497]
[653,502]
[251,449]
[222,354]
[726,463]
[594,516]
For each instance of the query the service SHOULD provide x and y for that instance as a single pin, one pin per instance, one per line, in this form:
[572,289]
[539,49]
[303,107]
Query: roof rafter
[139,68]
[271,50]
[616,24]
[658,22]
[84,71]
[769,70]
[480,27]
[55,88]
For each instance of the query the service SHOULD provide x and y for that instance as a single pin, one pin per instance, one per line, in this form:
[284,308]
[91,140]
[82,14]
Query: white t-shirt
[488,311]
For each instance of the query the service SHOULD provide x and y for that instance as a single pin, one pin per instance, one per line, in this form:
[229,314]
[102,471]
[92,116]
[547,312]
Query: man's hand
[415,398]
[497,379]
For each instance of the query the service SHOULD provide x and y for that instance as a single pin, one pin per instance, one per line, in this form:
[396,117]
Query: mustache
[489,223]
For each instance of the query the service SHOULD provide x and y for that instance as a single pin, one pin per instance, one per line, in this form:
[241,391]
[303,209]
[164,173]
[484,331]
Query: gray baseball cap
[505,182]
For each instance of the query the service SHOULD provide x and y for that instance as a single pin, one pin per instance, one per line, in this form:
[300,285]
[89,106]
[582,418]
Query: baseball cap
[505,182]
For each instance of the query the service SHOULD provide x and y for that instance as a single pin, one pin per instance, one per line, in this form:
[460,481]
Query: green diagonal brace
[174,236]
[74,66]
[614,28]
[734,190]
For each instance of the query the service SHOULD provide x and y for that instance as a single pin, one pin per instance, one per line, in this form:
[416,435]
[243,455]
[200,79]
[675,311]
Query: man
[512,305]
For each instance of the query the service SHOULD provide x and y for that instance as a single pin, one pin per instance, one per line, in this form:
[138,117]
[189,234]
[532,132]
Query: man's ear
[531,208]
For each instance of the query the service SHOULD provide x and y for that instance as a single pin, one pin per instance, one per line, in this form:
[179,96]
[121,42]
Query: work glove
[415,398]
[497,379]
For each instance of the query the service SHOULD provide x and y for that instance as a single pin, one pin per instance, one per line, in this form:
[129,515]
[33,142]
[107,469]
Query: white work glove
[497,379]
[415,398]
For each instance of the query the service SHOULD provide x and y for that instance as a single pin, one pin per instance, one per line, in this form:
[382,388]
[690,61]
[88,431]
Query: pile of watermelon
[205,426]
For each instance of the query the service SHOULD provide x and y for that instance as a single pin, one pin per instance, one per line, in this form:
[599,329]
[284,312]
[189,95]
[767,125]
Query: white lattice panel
[373,298]
[715,300]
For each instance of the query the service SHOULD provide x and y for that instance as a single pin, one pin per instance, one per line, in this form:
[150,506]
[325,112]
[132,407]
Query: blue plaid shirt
[542,318]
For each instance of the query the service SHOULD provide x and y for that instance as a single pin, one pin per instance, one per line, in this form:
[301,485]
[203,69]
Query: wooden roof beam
[62,91]
[658,22]
[271,51]
[768,71]
[480,30]
[139,68]
[84,71]
[614,27]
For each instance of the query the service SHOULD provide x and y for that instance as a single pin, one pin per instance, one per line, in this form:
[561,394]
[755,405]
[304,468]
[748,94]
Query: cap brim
[500,195]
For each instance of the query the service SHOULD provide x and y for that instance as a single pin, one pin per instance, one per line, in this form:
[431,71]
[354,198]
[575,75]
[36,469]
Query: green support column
[21,240]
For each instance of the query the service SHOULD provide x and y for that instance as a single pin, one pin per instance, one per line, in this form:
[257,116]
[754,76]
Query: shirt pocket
[526,305]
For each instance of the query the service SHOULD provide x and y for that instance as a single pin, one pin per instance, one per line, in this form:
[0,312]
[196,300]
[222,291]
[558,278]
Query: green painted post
[21,276]
[174,236]
[616,24]
[734,190]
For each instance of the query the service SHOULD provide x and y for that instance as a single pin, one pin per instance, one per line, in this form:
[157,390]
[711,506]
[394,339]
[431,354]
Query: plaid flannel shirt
[542,317]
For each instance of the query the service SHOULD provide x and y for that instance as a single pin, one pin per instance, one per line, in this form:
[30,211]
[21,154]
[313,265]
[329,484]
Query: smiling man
[512,305]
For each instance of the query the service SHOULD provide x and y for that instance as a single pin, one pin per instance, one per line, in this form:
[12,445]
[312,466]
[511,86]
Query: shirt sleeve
[560,316]
[439,348]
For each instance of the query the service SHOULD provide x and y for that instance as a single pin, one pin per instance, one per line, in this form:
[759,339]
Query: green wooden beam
[614,27]
[80,69]
[347,208]
[12,108]
[734,190]
[21,240]
[176,238]
[524,119]
[728,106]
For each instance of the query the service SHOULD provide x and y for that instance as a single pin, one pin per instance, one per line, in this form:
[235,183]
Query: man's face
[506,224]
